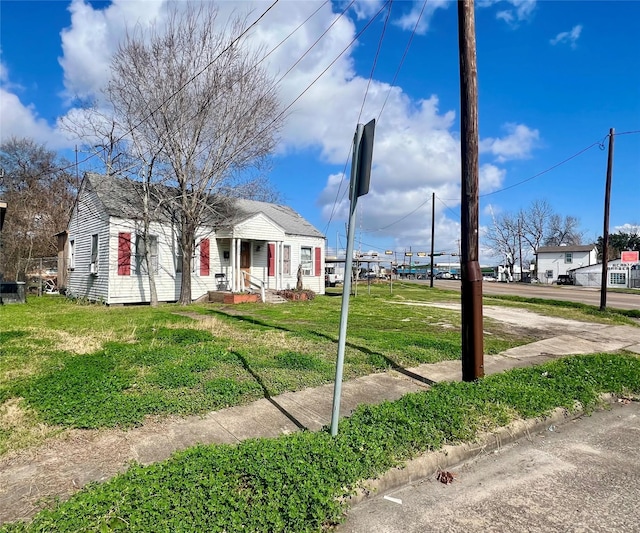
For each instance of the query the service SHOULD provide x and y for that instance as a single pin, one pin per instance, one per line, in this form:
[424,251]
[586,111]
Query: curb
[448,456]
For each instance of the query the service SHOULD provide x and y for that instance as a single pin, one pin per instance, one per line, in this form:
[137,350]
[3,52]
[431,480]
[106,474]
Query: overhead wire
[391,86]
[284,111]
[404,56]
[373,68]
[182,87]
[545,171]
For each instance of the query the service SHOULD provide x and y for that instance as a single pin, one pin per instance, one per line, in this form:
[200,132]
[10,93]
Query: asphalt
[64,465]
[579,476]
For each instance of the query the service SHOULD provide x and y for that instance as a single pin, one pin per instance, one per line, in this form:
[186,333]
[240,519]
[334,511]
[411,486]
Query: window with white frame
[72,254]
[141,263]
[617,278]
[568,257]
[286,260]
[549,274]
[93,265]
[306,261]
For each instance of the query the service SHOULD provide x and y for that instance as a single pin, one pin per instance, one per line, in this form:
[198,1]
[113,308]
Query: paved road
[581,476]
[572,294]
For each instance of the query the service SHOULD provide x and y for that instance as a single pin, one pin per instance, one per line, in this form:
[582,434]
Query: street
[583,475]
[584,295]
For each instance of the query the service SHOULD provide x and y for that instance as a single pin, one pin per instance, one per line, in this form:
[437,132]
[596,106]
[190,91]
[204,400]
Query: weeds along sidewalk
[63,466]
[298,482]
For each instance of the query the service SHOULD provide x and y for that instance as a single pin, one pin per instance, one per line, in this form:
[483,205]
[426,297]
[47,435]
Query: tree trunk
[187,243]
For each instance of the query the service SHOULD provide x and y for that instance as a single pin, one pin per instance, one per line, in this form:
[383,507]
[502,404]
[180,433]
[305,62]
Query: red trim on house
[124,254]
[318,261]
[271,259]
[204,257]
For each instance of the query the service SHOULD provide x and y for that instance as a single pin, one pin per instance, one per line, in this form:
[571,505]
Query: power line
[373,67]
[404,56]
[375,59]
[597,143]
[400,219]
[447,207]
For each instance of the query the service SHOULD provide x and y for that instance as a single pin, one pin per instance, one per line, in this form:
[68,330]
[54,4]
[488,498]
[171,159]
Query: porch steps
[272,297]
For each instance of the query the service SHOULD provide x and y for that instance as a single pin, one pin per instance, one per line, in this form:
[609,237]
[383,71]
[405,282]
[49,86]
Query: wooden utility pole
[471,297]
[433,231]
[605,231]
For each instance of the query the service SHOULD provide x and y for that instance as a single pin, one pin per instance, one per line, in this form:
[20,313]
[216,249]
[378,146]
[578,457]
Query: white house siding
[100,211]
[315,282]
[555,262]
[260,227]
[619,275]
[88,218]
[135,286]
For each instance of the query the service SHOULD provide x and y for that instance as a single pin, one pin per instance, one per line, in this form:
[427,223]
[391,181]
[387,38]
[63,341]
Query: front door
[245,257]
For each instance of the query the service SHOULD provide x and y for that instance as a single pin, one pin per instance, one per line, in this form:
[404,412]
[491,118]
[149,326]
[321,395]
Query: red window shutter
[124,254]
[204,257]
[271,259]
[318,261]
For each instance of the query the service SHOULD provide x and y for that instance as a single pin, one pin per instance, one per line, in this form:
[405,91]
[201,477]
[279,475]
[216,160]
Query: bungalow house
[553,261]
[258,247]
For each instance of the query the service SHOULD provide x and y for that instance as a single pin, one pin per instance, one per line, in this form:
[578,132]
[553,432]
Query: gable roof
[292,223]
[122,198]
[568,248]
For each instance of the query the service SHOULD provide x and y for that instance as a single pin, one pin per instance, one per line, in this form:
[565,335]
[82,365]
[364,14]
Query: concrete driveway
[580,476]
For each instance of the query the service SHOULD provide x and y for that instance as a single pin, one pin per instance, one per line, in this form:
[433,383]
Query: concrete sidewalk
[63,466]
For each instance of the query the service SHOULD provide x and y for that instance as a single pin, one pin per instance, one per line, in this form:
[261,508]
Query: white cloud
[421,15]
[568,37]
[93,37]
[365,9]
[416,151]
[631,229]
[22,120]
[517,144]
[520,10]
[491,178]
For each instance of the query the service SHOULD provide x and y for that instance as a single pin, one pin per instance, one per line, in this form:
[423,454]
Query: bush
[304,294]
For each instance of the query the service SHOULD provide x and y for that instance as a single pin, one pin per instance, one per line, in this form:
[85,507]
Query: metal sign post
[360,177]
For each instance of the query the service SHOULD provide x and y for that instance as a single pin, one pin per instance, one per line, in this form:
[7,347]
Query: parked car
[564,279]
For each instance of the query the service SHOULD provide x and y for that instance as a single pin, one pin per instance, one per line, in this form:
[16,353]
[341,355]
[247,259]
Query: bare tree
[39,194]
[534,223]
[563,231]
[502,238]
[100,134]
[199,97]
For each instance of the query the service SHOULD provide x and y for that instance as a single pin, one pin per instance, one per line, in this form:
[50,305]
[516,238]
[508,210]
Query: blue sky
[553,78]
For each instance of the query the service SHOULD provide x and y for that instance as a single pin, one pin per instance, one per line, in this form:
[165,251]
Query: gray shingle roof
[122,198]
[568,248]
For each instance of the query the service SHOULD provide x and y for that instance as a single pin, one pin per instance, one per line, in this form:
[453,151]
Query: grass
[66,365]
[297,482]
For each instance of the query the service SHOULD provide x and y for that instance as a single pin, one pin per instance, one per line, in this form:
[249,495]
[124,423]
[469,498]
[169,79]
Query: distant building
[554,261]
[619,275]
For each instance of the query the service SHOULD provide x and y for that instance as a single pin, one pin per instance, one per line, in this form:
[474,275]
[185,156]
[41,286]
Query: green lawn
[69,365]
[297,482]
